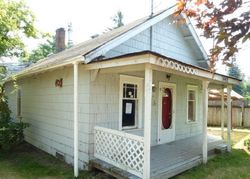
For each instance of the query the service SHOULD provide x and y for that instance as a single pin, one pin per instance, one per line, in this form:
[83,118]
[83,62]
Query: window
[19,103]
[129,105]
[191,103]
[130,102]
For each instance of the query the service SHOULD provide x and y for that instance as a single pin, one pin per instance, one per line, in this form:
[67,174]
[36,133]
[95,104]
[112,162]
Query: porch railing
[123,150]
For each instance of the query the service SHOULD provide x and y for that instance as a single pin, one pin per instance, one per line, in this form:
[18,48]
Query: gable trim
[196,38]
[127,35]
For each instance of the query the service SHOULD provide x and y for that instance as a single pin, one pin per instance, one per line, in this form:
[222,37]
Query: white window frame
[195,89]
[139,82]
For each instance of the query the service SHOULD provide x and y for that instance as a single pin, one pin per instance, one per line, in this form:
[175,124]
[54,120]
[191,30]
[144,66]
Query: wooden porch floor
[173,158]
[170,159]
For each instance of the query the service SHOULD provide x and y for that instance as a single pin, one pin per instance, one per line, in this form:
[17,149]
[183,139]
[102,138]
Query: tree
[118,22]
[43,50]
[226,21]
[234,71]
[118,19]
[246,89]
[16,22]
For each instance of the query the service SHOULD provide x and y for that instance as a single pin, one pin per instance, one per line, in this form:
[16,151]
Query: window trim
[195,89]
[139,82]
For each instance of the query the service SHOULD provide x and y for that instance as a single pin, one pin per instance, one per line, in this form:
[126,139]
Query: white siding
[182,128]
[167,39]
[49,111]
[104,105]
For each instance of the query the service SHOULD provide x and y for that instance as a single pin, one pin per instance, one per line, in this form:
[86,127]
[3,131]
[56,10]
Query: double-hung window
[130,102]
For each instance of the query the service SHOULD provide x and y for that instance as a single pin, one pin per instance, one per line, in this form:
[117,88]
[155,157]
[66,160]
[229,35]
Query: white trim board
[170,131]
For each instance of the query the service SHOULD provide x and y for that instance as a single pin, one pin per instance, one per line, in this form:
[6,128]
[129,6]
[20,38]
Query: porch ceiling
[136,61]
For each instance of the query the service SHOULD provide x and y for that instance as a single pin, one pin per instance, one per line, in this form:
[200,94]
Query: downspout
[76,172]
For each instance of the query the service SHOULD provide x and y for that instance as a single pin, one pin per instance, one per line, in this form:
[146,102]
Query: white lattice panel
[120,149]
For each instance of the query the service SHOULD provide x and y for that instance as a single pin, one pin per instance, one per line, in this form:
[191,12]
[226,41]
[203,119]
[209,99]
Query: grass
[27,162]
[236,135]
[234,165]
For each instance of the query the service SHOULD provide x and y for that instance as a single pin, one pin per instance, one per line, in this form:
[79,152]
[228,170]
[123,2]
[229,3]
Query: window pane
[191,95]
[129,112]
[129,90]
[191,110]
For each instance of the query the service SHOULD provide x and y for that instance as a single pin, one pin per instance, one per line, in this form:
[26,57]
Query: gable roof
[87,51]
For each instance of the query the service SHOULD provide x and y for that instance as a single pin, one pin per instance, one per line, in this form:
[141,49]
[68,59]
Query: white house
[134,98]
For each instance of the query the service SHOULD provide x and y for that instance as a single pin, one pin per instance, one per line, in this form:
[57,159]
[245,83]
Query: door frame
[173,86]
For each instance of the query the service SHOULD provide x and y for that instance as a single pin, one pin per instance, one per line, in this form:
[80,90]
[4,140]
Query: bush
[11,133]
[247,144]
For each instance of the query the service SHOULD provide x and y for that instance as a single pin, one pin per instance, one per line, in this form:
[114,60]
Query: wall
[104,104]
[183,129]
[167,40]
[49,111]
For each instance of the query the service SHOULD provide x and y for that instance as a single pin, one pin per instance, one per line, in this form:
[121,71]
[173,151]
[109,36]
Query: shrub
[11,133]
[247,144]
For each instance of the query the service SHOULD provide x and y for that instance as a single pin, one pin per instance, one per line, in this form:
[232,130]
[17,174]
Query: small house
[134,99]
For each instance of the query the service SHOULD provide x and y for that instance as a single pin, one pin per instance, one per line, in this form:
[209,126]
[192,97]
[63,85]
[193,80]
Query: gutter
[29,71]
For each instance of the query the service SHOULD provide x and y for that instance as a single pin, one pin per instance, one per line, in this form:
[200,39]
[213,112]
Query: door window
[166,108]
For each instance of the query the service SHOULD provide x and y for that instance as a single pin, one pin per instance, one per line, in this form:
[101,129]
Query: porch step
[178,168]
[111,170]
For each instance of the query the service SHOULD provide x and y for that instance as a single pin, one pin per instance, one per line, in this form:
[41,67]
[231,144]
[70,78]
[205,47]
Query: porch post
[222,113]
[147,119]
[205,110]
[75,119]
[229,116]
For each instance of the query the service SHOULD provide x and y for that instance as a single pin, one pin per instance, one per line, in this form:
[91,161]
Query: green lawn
[235,165]
[26,162]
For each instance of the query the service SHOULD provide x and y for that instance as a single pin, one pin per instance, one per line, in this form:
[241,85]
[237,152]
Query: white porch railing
[123,150]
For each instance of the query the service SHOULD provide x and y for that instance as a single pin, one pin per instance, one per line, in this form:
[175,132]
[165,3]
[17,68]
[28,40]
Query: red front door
[167,109]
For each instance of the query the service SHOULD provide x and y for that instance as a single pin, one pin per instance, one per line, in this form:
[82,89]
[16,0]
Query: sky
[90,17]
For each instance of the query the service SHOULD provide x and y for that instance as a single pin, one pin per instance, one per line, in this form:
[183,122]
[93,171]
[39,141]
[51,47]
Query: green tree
[246,89]
[16,22]
[43,50]
[234,71]
[226,21]
[118,19]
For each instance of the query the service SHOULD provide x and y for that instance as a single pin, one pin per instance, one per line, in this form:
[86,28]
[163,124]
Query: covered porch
[132,151]
[121,154]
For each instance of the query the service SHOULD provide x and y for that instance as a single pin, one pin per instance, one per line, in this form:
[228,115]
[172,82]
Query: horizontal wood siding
[167,39]
[104,104]
[49,111]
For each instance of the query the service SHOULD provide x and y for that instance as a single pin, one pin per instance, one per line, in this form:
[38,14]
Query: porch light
[168,76]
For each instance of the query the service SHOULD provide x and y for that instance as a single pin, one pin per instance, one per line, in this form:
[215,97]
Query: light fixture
[168,76]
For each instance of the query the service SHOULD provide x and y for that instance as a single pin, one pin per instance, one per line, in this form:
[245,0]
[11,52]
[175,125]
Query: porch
[116,150]
[141,155]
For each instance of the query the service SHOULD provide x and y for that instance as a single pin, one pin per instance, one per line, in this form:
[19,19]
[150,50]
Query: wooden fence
[240,116]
